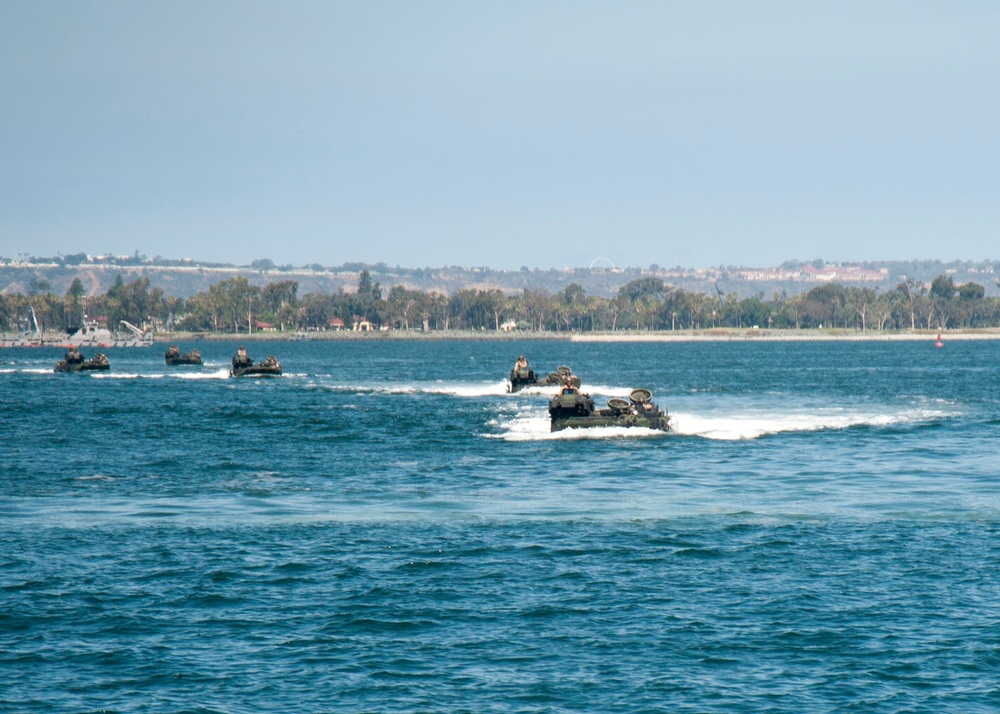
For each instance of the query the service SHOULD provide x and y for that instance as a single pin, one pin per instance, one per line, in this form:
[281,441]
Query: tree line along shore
[643,306]
[716,335]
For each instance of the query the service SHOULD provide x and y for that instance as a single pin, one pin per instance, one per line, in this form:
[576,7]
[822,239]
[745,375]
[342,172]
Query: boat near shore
[93,335]
[90,334]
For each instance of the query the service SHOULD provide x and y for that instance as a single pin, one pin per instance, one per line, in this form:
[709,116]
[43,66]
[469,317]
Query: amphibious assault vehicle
[174,357]
[522,378]
[75,362]
[243,366]
[572,409]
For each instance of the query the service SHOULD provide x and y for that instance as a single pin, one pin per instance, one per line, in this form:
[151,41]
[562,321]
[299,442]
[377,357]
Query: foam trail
[455,389]
[607,391]
[753,425]
[549,391]
[533,424]
[594,390]
[468,390]
[218,374]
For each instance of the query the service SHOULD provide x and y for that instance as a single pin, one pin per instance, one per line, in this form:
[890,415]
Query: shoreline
[716,335]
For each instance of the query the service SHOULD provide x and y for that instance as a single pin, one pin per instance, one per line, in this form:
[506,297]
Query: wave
[451,389]
[594,390]
[471,390]
[533,424]
[218,374]
[753,425]
[125,375]
[222,373]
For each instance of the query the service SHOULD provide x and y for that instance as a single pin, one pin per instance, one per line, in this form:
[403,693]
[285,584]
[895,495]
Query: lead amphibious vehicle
[572,409]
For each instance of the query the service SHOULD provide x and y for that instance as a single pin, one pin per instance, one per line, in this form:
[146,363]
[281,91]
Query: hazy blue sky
[505,134]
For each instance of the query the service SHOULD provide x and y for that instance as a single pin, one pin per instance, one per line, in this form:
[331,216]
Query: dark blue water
[384,529]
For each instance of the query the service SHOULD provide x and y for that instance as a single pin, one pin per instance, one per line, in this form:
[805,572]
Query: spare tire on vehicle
[640,396]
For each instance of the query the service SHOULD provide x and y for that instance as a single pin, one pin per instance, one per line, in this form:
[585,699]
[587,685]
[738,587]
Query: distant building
[812,274]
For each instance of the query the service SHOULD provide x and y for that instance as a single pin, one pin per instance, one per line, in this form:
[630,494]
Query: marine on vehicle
[173,356]
[572,409]
[243,366]
[75,362]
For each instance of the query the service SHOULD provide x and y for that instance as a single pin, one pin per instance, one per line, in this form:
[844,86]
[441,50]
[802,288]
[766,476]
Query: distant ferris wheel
[602,264]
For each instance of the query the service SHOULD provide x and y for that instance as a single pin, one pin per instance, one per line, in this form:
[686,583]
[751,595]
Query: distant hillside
[186,278]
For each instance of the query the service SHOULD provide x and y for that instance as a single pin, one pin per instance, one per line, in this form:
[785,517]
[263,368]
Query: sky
[501,134]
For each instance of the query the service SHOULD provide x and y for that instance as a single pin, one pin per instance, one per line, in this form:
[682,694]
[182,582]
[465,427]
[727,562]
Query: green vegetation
[235,305]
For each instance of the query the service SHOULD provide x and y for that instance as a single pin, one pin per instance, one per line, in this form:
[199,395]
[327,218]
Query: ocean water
[385,529]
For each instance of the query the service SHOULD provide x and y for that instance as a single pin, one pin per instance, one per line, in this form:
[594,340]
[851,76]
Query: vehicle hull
[256,371]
